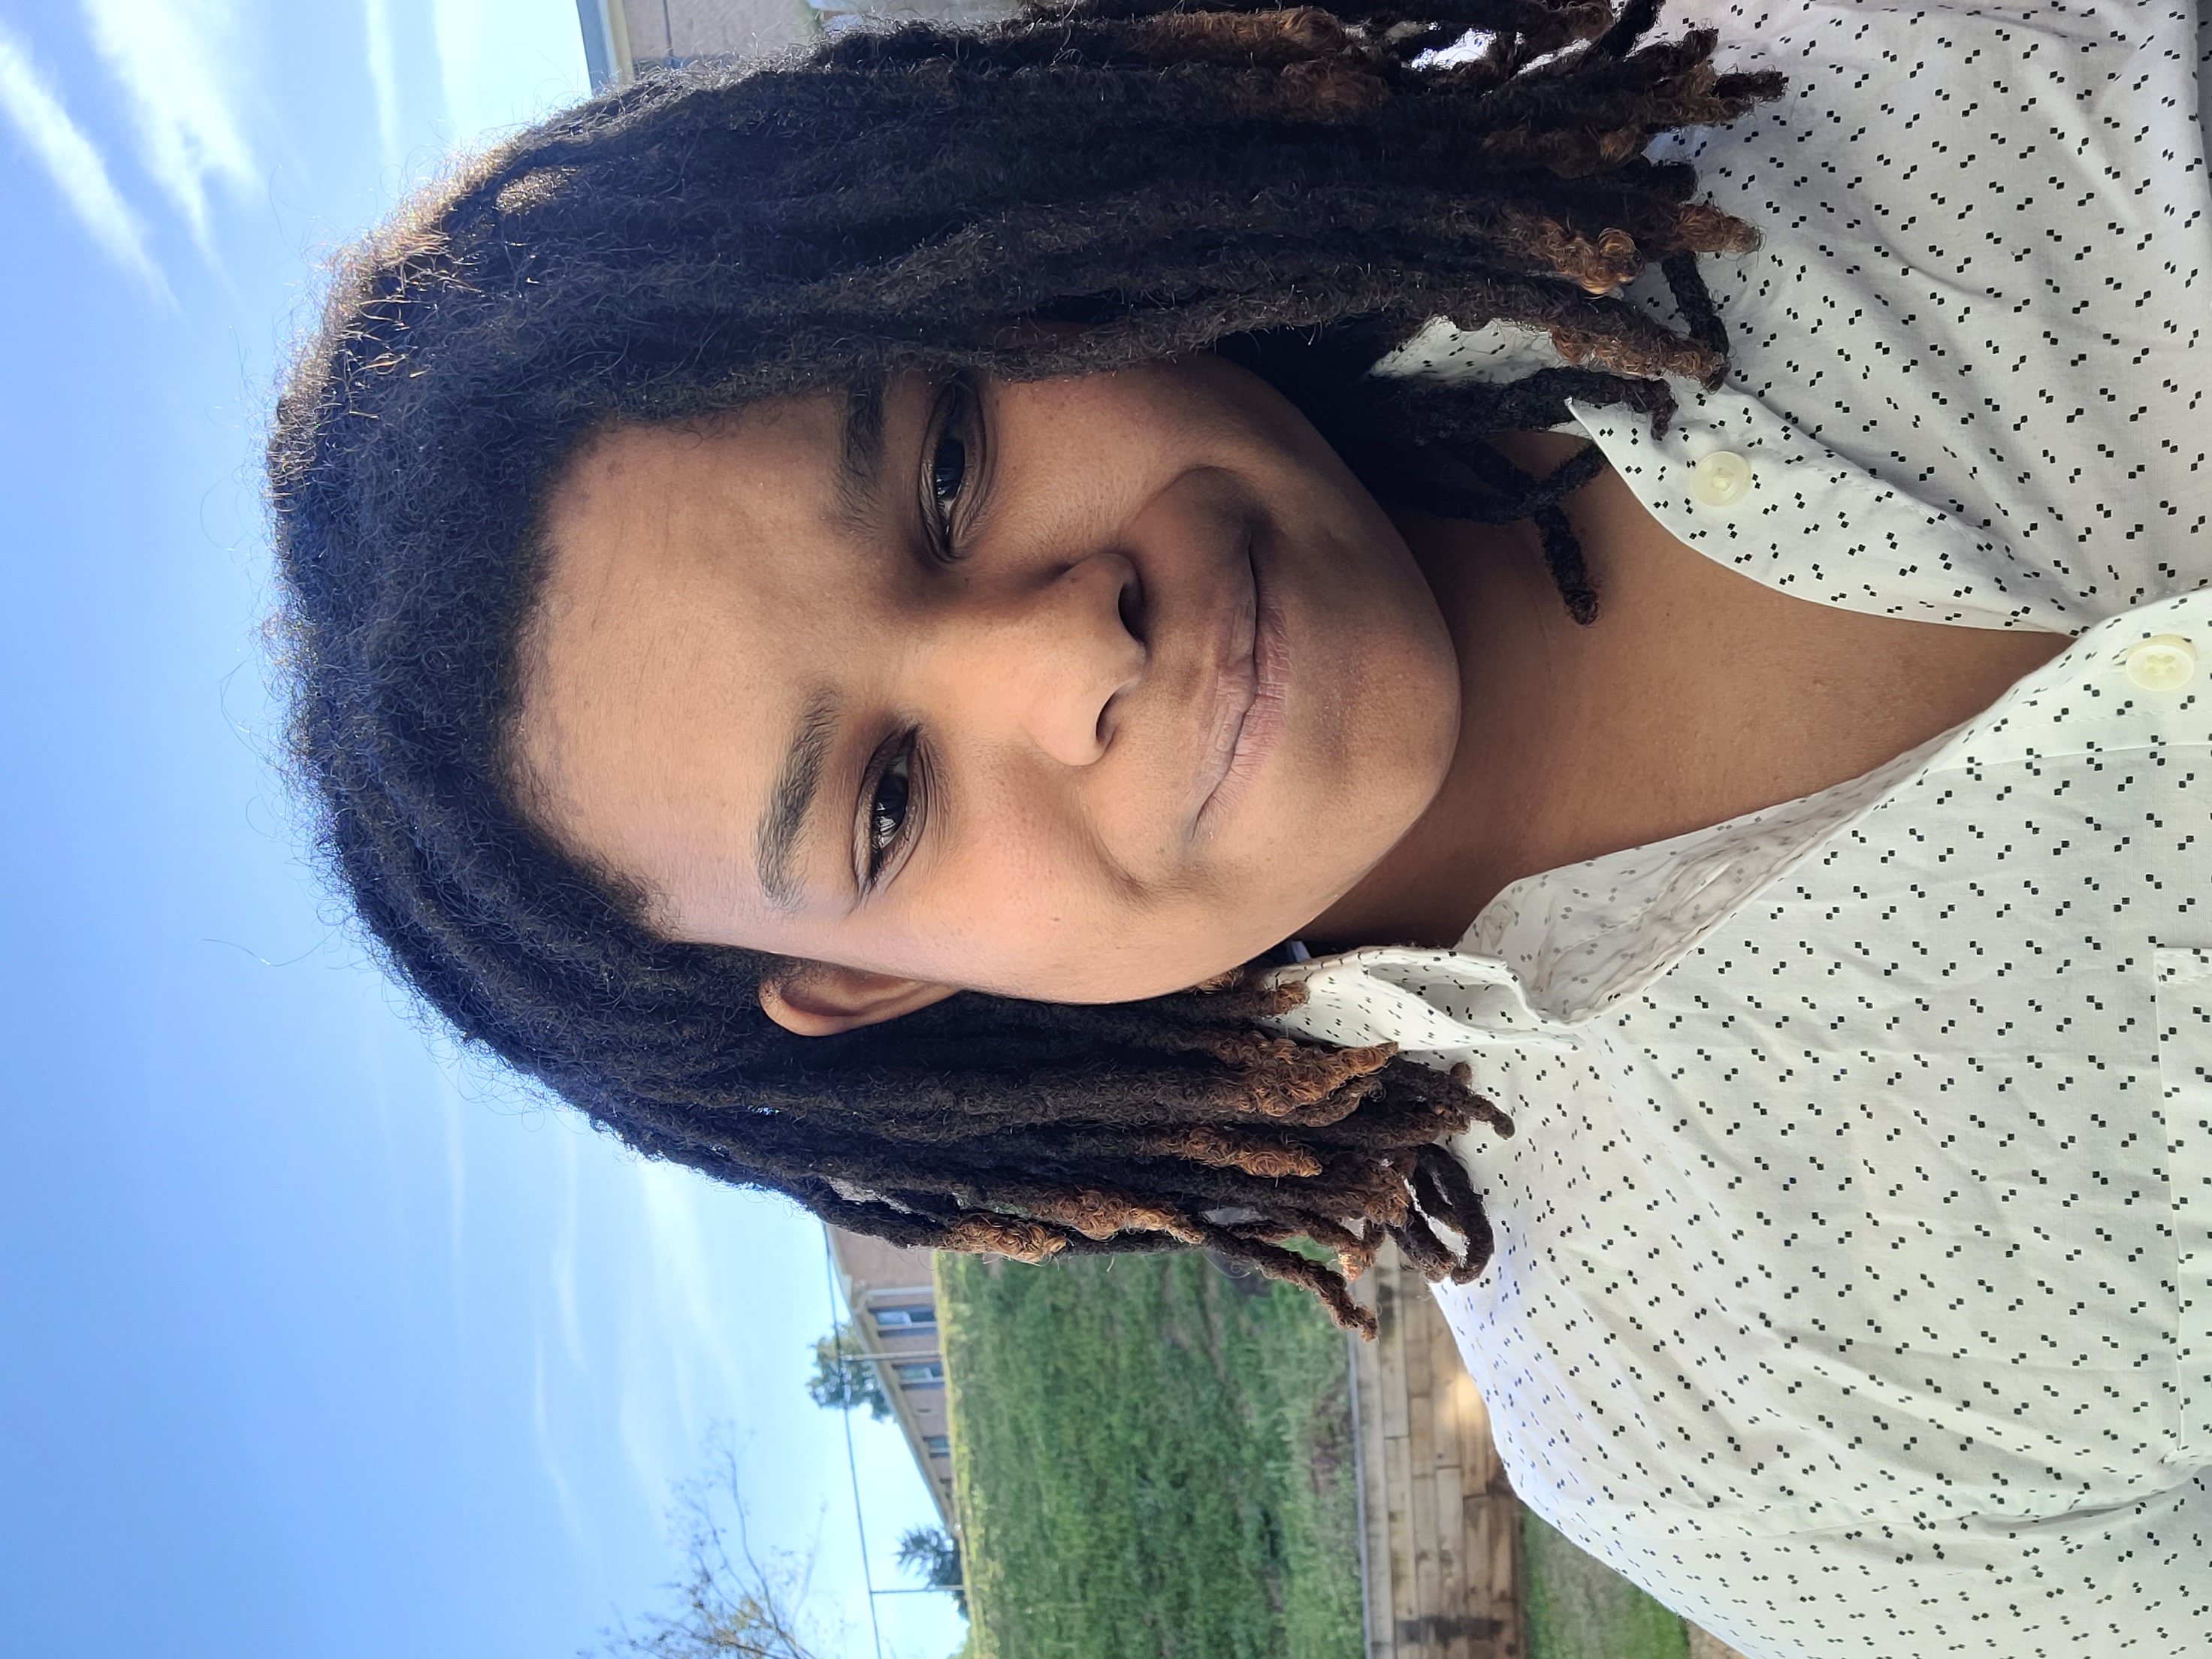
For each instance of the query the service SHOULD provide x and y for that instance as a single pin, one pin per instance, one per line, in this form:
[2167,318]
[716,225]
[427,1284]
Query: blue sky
[315,1339]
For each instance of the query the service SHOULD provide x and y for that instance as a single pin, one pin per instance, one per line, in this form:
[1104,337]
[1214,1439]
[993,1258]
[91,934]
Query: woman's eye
[949,460]
[887,809]
[948,470]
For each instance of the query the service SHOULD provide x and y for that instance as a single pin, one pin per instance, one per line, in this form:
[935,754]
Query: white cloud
[564,1255]
[384,80]
[689,1292]
[457,1191]
[503,64]
[548,1453]
[75,164]
[686,1319]
[459,30]
[174,59]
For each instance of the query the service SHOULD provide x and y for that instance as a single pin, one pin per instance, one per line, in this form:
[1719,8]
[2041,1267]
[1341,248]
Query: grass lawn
[1580,1609]
[1153,1461]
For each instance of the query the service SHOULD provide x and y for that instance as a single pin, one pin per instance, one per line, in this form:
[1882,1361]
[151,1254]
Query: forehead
[775,454]
[665,650]
[659,531]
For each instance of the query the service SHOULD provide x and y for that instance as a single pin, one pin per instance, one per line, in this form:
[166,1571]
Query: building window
[920,1373]
[918,1316]
[937,1445]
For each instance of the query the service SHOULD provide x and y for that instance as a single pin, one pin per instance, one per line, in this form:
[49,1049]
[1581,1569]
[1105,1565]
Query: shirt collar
[1420,1000]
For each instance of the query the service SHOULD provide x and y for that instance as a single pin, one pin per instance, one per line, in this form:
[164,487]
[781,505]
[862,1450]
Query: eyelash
[955,426]
[901,751]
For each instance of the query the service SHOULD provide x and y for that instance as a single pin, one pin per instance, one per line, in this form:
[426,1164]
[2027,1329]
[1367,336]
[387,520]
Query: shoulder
[1986,231]
[1944,25]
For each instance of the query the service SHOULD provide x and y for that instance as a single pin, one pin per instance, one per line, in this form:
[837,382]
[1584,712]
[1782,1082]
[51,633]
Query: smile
[1249,700]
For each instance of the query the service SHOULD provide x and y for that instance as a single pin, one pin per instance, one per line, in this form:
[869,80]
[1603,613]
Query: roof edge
[606,43]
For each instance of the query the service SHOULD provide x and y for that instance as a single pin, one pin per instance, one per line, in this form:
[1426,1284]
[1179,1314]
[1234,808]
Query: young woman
[1156,628]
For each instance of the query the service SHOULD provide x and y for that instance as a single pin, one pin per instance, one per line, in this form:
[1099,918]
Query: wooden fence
[1441,1528]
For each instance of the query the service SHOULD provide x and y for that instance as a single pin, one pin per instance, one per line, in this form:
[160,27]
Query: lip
[1247,715]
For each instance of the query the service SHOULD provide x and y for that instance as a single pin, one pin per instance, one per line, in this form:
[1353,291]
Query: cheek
[1039,916]
[1110,440]
[1374,724]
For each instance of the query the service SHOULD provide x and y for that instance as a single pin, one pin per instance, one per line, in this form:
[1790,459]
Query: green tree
[932,1555]
[842,1381]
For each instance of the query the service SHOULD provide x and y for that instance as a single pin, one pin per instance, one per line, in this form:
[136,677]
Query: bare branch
[751,1604]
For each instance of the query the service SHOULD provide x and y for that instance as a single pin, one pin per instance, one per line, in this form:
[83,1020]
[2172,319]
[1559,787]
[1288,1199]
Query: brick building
[894,1303]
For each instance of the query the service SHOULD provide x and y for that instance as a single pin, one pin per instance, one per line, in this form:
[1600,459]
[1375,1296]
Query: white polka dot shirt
[1853,1283]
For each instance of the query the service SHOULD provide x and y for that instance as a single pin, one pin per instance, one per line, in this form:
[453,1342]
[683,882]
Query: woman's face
[1079,689]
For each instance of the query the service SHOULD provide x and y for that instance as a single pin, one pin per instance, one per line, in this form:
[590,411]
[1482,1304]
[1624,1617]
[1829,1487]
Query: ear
[818,1000]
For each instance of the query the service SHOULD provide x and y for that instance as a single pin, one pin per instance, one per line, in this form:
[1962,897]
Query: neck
[1698,695]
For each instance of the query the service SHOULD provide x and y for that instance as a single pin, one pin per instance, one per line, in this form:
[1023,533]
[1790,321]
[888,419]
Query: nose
[1057,658]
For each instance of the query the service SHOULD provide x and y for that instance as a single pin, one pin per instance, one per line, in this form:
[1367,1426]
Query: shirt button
[1721,479]
[2162,663]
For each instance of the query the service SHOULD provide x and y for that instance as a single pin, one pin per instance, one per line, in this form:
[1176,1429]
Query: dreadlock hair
[1286,187]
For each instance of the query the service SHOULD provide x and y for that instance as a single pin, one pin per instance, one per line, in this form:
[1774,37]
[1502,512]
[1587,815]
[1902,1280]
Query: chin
[1342,830]
[1381,715]
[1394,750]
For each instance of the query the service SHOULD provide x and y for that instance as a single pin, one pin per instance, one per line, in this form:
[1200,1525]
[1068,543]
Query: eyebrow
[860,450]
[796,785]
